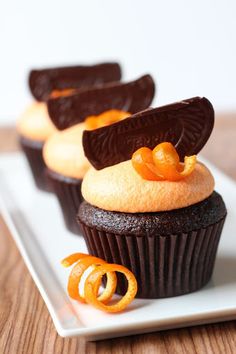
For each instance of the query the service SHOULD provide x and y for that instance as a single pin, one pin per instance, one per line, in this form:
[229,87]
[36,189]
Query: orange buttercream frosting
[63,152]
[35,123]
[120,188]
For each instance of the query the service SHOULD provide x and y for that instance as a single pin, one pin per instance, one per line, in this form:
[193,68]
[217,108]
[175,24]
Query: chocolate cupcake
[149,211]
[63,152]
[35,126]
[66,165]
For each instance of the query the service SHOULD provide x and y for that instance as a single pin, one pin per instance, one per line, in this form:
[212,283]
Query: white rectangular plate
[35,222]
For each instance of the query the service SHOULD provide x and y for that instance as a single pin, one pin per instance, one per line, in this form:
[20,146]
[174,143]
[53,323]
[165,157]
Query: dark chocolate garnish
[43,82]
[131,97]
[186,124]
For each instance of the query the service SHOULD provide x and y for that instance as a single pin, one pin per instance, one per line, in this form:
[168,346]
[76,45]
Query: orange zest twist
[162,163]
[94,279]
[105,118]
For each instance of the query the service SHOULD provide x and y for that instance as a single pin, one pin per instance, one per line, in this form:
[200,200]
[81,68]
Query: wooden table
[26,326]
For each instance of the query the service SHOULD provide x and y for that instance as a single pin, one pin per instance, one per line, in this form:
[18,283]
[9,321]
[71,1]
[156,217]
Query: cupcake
[63,152]
[34,126]
[154,211]
[66,166]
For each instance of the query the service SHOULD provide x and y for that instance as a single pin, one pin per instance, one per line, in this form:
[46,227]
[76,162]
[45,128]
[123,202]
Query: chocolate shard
[186,124]
[132,97]
[43,82]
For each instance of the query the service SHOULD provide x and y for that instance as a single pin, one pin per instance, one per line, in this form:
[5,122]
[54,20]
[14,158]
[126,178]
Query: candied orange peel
[62,92]
[94,279]
[105,118]
[162,163]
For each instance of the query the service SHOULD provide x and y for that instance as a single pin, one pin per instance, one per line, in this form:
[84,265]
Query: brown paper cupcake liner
[68,192]
[33,153]
[164,266]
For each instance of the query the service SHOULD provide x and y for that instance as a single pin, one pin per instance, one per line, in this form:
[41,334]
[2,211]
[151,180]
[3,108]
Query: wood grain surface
[26,326]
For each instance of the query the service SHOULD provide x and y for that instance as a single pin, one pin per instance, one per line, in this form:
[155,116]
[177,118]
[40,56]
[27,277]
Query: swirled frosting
[120,188]
[63,152]
[35,123]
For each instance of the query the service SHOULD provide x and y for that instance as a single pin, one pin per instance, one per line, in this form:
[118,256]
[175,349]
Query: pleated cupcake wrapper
[164,266]
[33,153]
[68,192]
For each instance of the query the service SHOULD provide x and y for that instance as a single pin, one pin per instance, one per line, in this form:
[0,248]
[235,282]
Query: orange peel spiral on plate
[105,118]
[83,263]
[94,279]
[162,163]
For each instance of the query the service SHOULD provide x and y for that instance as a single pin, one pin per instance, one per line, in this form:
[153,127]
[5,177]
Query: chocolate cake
[65,148]
[68,192]
[33,153]
[188,238]
[164,228]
